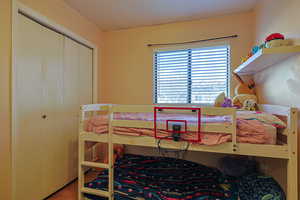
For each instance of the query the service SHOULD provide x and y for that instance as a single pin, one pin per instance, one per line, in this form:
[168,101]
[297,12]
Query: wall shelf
[265,58]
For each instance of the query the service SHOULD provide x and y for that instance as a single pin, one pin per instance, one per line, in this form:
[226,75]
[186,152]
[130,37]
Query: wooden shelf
[265,58]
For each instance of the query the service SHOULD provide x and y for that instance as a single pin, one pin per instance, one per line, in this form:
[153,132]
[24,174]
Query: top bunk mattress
[252,126]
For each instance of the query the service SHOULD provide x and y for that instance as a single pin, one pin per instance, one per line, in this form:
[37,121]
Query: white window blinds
[192,75]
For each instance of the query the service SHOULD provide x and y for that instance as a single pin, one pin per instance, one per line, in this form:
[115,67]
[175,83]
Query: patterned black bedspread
[160,178]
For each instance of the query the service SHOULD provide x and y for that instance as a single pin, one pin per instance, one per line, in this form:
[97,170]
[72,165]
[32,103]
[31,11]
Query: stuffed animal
[244,94]
[273,40]
[250,104]
[276,40]
[274,36]
[223,101]
[255,49]
[245,101]
[220,100]
[227,103]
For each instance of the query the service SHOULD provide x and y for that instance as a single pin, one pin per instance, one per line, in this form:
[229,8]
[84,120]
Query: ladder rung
[94,164]
[101,193]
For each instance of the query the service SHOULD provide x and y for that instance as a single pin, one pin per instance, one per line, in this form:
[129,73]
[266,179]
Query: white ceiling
[119,14]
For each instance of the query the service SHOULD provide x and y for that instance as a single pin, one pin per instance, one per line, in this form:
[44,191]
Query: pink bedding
[252,127]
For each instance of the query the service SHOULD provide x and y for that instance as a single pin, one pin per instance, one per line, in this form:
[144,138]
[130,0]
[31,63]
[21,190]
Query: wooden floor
[70,192]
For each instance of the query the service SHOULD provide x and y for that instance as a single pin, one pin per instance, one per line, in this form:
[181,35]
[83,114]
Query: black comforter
[160,178]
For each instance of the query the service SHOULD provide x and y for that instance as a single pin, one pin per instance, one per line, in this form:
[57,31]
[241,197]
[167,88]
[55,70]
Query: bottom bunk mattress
[252,126]
[161,178]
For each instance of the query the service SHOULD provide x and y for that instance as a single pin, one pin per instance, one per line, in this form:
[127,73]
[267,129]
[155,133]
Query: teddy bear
[244,98]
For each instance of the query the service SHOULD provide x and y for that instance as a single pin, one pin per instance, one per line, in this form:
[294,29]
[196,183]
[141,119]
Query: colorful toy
[250,104]
[274,36]
[273,40]
[245,58]
[223,101]
[276,40]
[245,97]
[255,49]
[227,103]
[245,101]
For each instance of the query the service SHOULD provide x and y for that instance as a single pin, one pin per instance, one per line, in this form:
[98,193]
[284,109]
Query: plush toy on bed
[245,97]
[223,101]
[245,102]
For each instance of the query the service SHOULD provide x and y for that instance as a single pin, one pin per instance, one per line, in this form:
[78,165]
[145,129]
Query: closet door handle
[44,116]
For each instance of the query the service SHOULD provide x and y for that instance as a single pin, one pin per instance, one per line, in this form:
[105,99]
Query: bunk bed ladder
[83,164]
[81,158]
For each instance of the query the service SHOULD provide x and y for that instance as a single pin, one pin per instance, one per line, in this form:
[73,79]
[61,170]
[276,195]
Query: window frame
[190,48]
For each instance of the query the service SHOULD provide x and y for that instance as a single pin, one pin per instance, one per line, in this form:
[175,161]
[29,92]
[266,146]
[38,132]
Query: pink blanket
[252,127]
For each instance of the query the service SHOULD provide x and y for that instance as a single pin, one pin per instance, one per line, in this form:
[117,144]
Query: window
[194,76]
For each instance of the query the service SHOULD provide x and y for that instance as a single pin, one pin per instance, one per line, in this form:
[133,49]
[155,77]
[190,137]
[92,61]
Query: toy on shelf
[276,40]
[255,49]
[273,40]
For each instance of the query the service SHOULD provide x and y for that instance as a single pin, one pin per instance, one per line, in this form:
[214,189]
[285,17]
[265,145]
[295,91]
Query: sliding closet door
[54,137]
[53,78]
[71,104]
[28,138]
[86,75]
[77,91]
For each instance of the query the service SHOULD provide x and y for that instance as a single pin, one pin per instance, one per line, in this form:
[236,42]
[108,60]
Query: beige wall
[279,84]
[5,55]
[57,11]
[127,72]
[282,85]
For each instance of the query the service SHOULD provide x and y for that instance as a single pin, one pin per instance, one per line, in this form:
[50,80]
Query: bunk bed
[144,125]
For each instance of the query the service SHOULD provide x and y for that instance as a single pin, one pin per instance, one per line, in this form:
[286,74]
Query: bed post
[292,163]
[80,157]
[111,156]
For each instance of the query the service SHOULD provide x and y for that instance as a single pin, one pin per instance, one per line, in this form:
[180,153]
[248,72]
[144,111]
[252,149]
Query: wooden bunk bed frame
[288,152]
